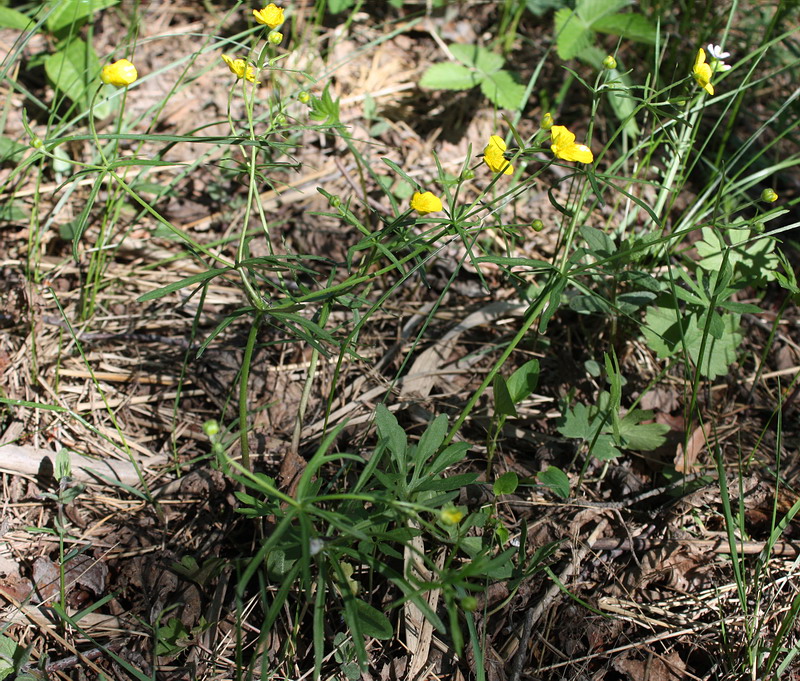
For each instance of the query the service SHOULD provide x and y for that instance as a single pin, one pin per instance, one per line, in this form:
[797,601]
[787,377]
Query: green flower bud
[36,143]
[275,38]
[769,195]
[547,121]
[211,428]
[537,225]
[468,174]
[303,97]
[279,119]
[609,62]
[336,201]
[758,227]
[469,603]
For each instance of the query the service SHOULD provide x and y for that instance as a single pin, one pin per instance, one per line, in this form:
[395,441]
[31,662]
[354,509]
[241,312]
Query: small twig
[75,660]
[519,658]
[720,545]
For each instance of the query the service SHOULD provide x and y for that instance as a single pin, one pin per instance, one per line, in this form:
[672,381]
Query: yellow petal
[565,147]
[577,152]
[700,58]
[119,74]
[561,137]
[271,15]
[493,156]
[426,203]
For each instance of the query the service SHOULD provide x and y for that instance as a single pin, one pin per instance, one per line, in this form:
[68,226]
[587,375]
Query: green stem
[245,375]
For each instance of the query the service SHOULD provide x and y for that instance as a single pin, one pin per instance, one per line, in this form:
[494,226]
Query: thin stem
[245,375]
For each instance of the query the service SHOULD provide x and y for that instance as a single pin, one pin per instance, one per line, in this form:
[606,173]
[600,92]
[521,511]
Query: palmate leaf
[752,258]
[668,330]
[573,34]
[631,26]
[482,60]
[503,90]
[449,76]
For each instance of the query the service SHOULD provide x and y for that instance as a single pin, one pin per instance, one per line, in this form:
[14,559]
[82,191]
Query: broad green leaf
[573,35]
[371,621]
[667,331]
[449,76]
[599,242]
[451,454]
[74,69]
[541,7]
[501,89]
[631,26]
[507,483]
[10,148]
[592,10]
[523,381]
[430,441]
[503,404]
[628,303]
[752,258]
[337,6]
[10,18]
[394,436]
[604,448]
[555,480]
[478,57]
[642,437]
[576,423]
[8,650]
[74,12]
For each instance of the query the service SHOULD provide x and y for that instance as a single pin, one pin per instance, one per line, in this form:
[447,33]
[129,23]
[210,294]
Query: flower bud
[451,515]
[275,37]
[469,603]
[211,428]
[769,195]
[609,63]
[119,74]
[303,97]
[537,225]
[279,119]
[468,174]
[547,121]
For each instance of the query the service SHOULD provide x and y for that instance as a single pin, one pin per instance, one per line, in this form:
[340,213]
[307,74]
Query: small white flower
[716,52]
[315,545]
[717,55]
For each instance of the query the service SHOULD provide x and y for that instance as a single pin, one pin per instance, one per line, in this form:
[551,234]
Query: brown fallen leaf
[655,668]
[686,461]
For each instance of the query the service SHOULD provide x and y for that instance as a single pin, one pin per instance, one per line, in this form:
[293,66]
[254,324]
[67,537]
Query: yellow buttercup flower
[426,203]
[493,156]
[240,68]
[451,515]
[120,74]
[565,147]
[702,72]
[271,15]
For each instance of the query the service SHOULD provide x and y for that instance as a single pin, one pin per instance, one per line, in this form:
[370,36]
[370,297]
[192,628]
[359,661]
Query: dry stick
[536,613]
[721,545]
[37,618]
[519,658]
